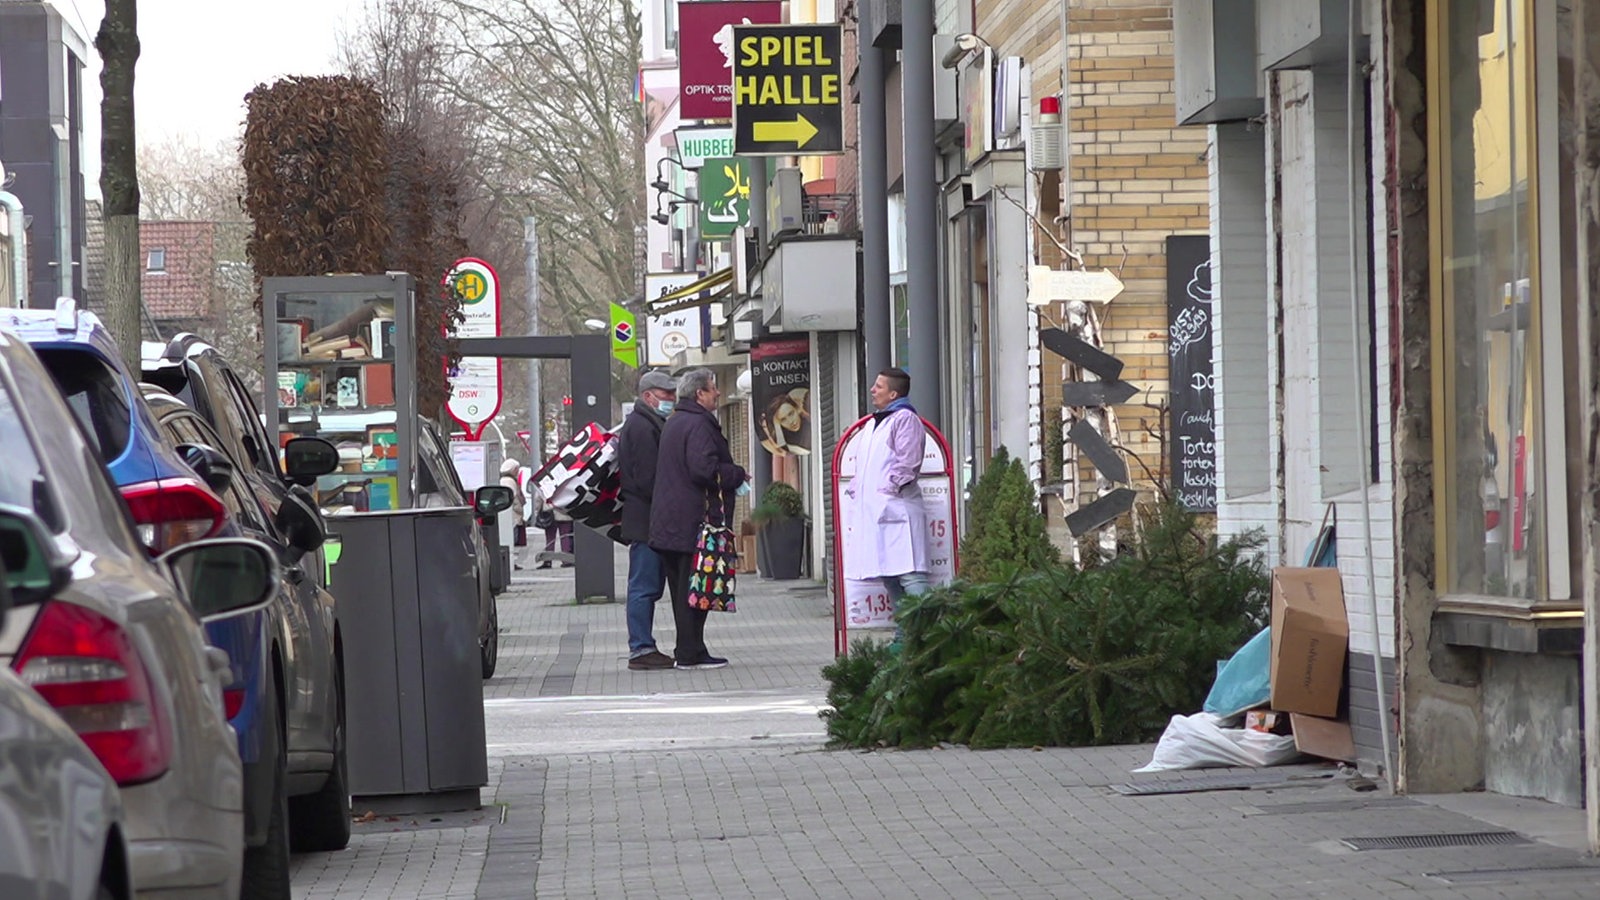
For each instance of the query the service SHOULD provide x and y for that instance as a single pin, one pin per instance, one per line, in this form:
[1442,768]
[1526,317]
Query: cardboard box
[1327,738]
[1309,637]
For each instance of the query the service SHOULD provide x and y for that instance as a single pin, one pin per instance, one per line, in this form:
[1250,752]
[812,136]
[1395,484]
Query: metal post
[760,458]
[530,244]
[922,208]
[876,323]
[591,402]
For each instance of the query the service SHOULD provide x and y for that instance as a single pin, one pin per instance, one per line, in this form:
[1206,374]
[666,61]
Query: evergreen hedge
[1053,655]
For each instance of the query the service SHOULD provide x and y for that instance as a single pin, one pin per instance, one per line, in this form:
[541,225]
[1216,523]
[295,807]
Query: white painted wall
[1313,454]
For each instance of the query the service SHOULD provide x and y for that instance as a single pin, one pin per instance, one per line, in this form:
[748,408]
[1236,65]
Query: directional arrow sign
[1046,285]
[1096,393]
[797,132]
[1103,455]
[788,90]
[1081,352]
[1101,511]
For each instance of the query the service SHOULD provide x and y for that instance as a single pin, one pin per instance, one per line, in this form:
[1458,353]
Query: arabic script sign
[724,197]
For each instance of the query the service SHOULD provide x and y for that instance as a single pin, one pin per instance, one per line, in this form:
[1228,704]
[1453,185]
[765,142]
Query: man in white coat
[890,524]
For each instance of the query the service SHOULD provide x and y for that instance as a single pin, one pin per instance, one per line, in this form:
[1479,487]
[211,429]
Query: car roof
[147,454]
[66,325]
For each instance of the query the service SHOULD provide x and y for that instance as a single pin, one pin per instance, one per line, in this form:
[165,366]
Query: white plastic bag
[1199,742]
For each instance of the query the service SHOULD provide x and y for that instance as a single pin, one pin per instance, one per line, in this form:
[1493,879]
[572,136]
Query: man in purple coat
[696,482]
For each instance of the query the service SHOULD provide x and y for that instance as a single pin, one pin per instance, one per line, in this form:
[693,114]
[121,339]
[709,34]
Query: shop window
[1486,276]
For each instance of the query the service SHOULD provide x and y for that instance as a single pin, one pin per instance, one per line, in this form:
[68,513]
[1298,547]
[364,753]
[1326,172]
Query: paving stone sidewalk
[786,818]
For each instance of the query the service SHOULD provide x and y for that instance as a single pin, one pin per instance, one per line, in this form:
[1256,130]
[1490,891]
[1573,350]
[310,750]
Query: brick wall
[1135,178]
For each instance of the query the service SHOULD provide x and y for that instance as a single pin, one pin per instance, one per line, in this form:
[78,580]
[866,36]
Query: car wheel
[489,644]
[321,821]
[266,868]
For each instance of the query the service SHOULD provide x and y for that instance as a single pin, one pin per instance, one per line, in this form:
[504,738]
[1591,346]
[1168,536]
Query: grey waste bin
[408,608]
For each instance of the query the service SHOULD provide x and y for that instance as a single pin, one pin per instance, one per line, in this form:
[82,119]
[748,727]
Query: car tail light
[173,511]
[232,702]
[85,666]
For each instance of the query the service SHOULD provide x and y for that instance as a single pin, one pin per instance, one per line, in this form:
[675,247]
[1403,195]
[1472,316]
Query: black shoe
[655,659]
[705,662]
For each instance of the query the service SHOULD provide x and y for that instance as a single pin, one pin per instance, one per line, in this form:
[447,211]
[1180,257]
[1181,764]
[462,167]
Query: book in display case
[340,364]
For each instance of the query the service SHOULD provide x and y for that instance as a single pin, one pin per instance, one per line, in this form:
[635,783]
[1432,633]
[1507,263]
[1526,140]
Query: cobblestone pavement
[610,783]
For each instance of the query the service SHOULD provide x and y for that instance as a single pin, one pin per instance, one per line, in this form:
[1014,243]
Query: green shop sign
[724,197]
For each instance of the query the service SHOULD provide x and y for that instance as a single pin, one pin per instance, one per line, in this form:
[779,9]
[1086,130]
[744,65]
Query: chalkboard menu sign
[1191,433]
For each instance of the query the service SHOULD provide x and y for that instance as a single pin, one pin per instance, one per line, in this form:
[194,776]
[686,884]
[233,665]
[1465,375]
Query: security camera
[964,44]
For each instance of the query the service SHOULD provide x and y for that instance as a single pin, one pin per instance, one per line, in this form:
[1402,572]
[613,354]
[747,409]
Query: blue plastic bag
[1244,681]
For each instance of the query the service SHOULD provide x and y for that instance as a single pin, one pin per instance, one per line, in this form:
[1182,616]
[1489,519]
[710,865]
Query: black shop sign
[1191,320]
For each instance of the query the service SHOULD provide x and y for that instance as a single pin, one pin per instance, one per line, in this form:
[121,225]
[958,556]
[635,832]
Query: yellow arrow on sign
[800,131]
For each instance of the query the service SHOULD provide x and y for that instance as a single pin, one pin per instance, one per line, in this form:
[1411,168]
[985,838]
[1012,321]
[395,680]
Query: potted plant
[781,535]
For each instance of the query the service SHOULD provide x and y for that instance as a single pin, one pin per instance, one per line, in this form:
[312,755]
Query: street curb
[511,870]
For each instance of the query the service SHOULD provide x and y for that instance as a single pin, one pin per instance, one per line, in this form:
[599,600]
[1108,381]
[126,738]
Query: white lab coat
[890,530]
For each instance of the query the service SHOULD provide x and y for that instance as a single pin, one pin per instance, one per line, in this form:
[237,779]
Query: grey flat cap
[657,381]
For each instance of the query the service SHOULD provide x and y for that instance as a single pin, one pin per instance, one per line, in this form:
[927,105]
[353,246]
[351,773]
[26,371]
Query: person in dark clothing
[639,443]
[696,482]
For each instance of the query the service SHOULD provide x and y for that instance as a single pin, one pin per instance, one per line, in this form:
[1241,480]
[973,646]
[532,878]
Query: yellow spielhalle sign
[787,90]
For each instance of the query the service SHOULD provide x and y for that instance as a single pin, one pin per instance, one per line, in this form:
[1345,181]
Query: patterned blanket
[581,481]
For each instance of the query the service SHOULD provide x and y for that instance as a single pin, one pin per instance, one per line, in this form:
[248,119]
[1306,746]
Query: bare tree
[118,44]
[551,88]
[180,181]
[526,106]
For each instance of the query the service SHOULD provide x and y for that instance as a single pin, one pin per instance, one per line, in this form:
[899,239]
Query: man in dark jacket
[696,482]
[639,443]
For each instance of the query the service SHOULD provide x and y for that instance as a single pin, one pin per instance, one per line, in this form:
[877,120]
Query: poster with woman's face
[781,395]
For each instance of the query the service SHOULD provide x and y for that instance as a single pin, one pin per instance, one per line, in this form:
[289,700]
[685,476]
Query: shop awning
[724,293]
[687,297]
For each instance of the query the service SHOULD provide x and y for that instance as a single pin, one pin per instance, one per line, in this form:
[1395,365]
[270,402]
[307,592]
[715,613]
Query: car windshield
[95,394]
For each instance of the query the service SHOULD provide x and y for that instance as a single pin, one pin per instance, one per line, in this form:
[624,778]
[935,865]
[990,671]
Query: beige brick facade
[1134,177]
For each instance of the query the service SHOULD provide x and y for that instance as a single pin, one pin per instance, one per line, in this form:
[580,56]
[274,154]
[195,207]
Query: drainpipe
[1354,159]
[19,248]
[922,210]
[873,209]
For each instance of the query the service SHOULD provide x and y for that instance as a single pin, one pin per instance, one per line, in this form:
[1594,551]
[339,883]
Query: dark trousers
[691,622]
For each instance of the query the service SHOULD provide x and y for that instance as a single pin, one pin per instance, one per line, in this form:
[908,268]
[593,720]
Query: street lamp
[596,324]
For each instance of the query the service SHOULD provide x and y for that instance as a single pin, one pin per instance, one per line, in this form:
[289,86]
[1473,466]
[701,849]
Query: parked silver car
[61,828]
[114,644]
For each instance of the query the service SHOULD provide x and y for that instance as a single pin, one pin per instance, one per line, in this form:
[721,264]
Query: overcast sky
[198,58]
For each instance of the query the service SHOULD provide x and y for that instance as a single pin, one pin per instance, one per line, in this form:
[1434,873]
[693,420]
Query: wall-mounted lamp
[964,44]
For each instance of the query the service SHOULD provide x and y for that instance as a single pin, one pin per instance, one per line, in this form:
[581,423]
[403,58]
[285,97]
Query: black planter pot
[781,548]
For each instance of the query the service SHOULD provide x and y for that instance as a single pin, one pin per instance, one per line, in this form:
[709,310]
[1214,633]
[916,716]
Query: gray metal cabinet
[407,591]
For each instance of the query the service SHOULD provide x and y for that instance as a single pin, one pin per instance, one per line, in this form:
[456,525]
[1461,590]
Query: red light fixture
[86,667]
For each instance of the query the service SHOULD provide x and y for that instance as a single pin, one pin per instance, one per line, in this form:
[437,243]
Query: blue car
[175,492]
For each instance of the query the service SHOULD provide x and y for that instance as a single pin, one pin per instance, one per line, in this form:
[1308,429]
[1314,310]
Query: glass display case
[340,363]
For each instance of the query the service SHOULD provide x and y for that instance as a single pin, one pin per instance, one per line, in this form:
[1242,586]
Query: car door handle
[217,659]
[296,574]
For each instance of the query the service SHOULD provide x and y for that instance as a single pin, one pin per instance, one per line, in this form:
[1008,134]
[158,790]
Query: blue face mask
[665,407]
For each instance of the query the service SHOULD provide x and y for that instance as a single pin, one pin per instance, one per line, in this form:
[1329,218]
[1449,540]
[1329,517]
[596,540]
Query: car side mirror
[300,521]
[224,575]
[35,566]
[212,465]
[306,458]
[491,499]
